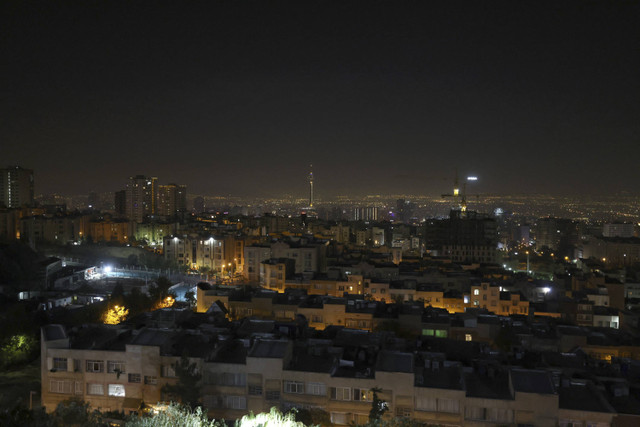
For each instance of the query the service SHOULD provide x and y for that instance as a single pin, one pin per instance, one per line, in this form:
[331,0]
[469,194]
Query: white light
[472,178]
[546,290]
[107,269]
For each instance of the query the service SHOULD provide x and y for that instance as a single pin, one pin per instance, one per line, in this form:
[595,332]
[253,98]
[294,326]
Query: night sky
[238,97]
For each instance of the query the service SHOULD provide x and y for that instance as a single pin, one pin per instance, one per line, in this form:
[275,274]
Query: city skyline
[239,98]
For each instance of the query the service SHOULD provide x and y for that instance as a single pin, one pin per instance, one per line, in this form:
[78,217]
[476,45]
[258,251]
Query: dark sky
[238,97]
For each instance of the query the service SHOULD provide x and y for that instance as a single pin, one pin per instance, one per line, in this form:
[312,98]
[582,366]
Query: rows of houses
[253,365]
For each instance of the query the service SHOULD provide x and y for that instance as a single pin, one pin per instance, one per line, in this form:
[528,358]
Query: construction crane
[461,196]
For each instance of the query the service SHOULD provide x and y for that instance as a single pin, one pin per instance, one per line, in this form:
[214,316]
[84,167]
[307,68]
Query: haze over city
[238,98]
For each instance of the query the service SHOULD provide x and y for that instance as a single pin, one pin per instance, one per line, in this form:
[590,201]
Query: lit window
[468,337]
[476,291]
[95,365]
[116,390]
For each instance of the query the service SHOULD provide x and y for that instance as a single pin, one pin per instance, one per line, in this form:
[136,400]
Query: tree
[378,406]
[21,416]
[313,416]
[75,412]
[187,389]
[160,290]
[167,302]
[274,418]
[174,415]
[190,296]
[117,294]
[137,301]
[116,315]
[19,348]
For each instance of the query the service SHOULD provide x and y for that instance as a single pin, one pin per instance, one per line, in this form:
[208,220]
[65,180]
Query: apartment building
[196,251]
[120,368]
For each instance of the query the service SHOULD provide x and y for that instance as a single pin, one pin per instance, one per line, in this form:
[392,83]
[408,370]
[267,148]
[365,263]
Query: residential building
[16,187]
[142,197]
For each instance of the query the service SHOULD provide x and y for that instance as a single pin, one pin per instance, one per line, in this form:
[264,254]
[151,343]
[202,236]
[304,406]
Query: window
[95,366]
[272,395]
[210,401]
[427,332]
[168,371]
[340,393]
[468,337]
[293,387]
[227,378]
[402,411]
[95,389]
[448,405]
[78,387]
[59,363]
[115,367]
[426,404]
[60,386]
[441,333]
[362,395]
[474,413]
[476,291]
[134,378]
[150,380]
[116,390]
[236,402]
[255,390]
[339,418]
[317,389]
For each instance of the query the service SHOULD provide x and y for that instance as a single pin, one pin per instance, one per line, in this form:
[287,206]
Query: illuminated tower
[311,187]
[142,195]
[16,187]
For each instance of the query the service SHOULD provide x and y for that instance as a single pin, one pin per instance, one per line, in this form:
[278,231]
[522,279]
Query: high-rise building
[120,203]
[311,187]
[142,197]
[369,213]
[172,199]
[198,204]
[16,187]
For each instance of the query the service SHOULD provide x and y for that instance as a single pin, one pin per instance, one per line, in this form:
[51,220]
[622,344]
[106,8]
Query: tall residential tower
[16,187]
[142,197]
[311,187]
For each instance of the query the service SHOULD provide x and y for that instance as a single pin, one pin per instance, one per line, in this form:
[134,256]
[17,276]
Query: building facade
[16,187]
